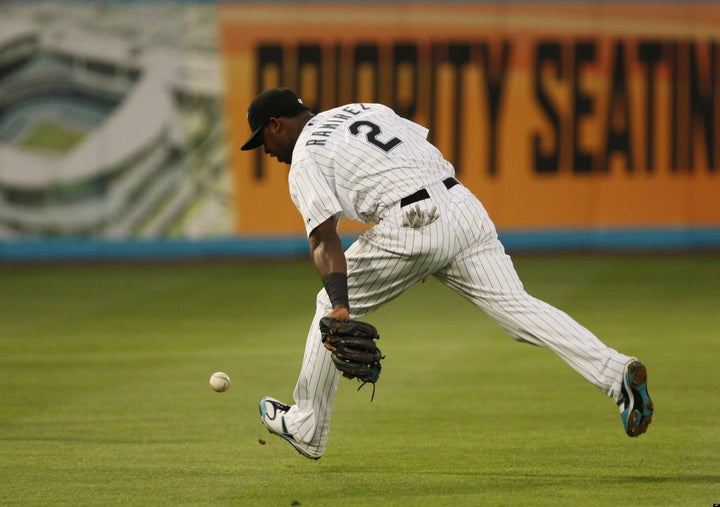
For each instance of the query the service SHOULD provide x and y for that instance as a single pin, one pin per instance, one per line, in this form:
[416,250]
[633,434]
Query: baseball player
[363,162]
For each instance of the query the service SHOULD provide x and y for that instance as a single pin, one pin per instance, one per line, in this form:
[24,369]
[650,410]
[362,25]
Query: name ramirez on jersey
[328,126]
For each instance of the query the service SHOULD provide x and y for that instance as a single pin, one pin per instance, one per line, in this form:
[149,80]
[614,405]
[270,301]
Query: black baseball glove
[356,354]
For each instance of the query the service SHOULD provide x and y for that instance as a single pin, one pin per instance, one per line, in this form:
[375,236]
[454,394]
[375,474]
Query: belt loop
[450,182]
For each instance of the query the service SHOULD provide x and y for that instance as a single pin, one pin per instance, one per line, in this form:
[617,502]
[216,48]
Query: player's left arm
[328,256]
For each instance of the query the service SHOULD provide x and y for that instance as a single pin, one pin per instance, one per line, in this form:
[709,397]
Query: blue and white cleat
[272,415]
[636,407]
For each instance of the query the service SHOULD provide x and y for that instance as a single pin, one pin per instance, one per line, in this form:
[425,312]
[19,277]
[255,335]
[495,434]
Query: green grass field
[104,396]
[54,137]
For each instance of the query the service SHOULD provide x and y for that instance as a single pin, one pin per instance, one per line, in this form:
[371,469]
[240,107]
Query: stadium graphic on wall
[101,136]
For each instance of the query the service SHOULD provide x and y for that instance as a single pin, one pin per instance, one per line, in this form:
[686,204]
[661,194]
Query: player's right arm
[329,258]
[326,249]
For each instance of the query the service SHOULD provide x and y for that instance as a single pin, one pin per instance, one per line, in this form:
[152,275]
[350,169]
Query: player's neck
[303,119]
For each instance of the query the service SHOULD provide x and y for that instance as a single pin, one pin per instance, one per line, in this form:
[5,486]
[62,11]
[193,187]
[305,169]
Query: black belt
[423,194]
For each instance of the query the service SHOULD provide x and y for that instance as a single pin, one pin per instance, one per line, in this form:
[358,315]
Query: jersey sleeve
[312,194]
[415,128]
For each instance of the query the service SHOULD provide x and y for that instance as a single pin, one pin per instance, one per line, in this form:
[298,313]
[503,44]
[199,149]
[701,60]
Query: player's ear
[275,123]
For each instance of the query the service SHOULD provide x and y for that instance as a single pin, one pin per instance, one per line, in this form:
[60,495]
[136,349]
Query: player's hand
[339,312]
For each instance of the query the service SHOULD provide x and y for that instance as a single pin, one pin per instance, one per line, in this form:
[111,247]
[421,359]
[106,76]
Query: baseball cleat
[636,407]
[272,415]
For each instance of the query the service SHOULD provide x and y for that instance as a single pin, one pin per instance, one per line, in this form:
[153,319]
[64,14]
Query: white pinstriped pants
[461,249]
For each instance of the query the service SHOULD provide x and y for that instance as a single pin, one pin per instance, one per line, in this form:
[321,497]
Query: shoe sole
[285,436]
[640,407]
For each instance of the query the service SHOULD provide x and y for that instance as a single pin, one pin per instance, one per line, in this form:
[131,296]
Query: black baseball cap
[275,102]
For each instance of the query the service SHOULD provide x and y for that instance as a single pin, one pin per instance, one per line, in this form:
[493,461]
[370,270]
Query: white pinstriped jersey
[356,160]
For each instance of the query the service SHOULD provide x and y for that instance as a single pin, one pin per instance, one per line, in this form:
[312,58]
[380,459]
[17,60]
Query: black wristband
[337,289]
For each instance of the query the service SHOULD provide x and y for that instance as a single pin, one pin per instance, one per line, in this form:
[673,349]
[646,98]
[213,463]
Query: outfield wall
[591,126]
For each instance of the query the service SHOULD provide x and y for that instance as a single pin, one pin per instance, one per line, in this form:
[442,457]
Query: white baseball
[220,381]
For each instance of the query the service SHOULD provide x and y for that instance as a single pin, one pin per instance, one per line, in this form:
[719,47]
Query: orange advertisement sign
[556,115]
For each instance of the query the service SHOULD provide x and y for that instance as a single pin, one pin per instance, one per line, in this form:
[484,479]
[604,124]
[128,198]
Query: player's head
[267,109]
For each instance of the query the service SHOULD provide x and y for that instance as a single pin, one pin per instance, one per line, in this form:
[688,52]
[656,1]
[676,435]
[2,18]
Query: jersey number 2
[371,135]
